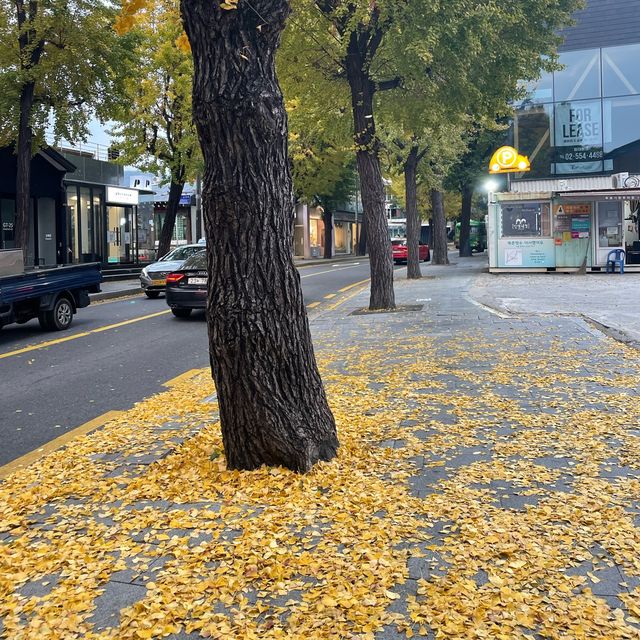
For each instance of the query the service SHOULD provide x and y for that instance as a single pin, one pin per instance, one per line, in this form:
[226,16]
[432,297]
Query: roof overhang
[605,194]
[57,160]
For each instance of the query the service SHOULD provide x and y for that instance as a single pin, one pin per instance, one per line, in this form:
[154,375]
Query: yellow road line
[355,284]
[181,378]
[75,336]
[32,456]
[312,305]
[329,296]
[344,299]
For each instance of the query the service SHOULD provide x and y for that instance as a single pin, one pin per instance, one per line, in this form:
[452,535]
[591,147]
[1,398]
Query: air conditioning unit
[617,180]
[632,182]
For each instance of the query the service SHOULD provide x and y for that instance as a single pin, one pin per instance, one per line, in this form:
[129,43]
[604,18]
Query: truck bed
[38,282]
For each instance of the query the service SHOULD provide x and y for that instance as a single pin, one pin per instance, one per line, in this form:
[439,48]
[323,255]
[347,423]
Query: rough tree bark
[361,247]
[23,169]
[30,53]
[413,218]
[371,184]
[327,218]
[439,228]
[464,241]
[273,407]
[169,223]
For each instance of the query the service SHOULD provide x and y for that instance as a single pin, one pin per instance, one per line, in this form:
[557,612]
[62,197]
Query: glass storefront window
[609,225]
[7,223]
[98,234]
[525,219]
[622,131]
[146,232]
[315,232]
[539,91]
[72,207]
[621,71]
[533,137]
[86,224]
[580,77]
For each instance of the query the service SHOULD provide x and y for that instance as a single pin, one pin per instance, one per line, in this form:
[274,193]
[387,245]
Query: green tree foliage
[60,63]
[322,158]
[320,140]
[155,130]
[460,68]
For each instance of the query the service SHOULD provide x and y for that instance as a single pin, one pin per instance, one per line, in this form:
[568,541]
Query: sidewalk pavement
[131,286]
[610,300]
[487,486]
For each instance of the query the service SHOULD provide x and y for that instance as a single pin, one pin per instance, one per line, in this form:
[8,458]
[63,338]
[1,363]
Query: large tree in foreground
[273,407]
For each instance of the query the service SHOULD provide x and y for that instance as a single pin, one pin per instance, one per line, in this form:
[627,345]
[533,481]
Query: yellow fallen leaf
[496,580]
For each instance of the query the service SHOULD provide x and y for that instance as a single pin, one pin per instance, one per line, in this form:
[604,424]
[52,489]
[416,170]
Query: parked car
[186,287]
[399,251]
[154,276]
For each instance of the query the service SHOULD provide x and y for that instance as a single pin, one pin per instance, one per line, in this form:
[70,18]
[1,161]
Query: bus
[477,236]
[398,236]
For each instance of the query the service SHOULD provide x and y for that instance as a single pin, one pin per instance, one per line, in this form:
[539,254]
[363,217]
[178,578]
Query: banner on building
[578,137]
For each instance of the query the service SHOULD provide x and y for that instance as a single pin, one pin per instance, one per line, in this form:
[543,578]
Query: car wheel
[181,313]
[428,256]
[152,294]
[59,318]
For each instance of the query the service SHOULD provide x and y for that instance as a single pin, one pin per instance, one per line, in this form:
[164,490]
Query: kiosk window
[609,225]
[529,219]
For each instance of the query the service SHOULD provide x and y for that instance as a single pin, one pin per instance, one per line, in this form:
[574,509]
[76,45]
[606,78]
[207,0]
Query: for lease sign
[578,124]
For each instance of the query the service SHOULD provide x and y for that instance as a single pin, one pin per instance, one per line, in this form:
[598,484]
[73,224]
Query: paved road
[115,354]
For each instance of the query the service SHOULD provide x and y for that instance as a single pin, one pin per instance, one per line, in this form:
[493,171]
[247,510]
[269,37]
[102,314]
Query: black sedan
[187,287]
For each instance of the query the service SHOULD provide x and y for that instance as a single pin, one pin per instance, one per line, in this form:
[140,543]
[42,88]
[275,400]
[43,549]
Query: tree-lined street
[344,450]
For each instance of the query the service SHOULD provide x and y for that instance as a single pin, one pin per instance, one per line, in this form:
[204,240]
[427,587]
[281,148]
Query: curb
[109,295]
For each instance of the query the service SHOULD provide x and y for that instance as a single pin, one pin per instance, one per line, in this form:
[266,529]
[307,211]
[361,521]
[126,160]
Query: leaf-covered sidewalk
[487,486]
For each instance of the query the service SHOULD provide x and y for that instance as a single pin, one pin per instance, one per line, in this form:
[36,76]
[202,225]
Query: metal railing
[84,149]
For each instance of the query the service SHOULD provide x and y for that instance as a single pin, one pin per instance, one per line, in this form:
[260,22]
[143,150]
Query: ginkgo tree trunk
[273,407]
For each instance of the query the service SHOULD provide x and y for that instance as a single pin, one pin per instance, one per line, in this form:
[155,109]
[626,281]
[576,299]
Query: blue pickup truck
[51,295]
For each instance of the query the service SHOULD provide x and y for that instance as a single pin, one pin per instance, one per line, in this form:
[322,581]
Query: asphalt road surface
[115,354]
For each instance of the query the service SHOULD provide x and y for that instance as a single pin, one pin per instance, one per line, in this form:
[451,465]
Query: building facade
[81,211]
[580,128]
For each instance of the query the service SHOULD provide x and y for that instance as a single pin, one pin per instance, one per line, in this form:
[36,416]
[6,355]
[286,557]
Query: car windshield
[182,253]
[197,261]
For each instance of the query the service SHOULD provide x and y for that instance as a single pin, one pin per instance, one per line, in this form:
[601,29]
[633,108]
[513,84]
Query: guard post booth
[564,225]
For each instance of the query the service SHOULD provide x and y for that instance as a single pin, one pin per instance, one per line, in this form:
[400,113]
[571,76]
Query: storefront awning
[613,194]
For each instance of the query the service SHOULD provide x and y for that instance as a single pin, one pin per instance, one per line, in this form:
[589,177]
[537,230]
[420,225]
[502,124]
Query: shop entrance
[572,234]
[120,241]
[610,234]
[632,233]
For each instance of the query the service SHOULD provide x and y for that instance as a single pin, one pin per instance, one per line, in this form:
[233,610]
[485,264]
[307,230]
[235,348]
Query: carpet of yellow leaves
[271,554]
